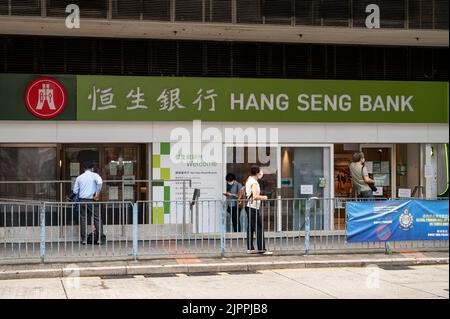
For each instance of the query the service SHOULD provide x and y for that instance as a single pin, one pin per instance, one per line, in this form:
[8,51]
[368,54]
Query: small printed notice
[127,168]
[128,193]
[428,172]
[74,169]
[376,167]
[128,180]
[404,192]
[379,192]
[381,180]
[113,193]
[113,168]
[306,189]
[384,167]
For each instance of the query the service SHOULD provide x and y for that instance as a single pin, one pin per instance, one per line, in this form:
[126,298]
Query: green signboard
[259,100]
[130,98]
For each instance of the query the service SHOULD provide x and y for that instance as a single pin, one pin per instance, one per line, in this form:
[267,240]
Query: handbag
[241,199]
[372,186]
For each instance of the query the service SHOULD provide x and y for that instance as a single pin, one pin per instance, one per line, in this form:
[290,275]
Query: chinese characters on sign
[160,98]
[169,99]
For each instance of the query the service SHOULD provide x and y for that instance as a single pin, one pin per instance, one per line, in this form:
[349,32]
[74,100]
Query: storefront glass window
[408,170]
[379,166]
[28,164]
[305,173]
[239,162]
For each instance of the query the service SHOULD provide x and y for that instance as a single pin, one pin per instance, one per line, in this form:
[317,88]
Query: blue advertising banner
[397,220]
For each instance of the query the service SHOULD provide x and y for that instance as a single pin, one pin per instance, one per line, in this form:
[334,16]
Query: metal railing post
[42,232]
[307,225]
[135,231]
[387,248]
[184,202]
[223,230]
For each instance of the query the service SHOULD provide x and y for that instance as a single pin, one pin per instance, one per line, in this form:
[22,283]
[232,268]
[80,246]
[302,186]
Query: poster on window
[174,186]
[382,179]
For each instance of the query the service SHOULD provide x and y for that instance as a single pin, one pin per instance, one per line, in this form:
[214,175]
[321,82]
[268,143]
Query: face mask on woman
[260,175]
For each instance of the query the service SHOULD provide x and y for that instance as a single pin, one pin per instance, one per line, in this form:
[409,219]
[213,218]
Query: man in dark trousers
[88,186]
[233,209]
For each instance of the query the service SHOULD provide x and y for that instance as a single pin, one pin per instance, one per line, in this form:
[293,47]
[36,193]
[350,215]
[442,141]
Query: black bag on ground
[93,238]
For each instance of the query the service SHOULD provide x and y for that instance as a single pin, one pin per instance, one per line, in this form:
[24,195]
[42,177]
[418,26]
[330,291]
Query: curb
[212,267]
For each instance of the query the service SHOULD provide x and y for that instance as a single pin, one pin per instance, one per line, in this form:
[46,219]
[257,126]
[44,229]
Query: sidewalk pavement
[194,264]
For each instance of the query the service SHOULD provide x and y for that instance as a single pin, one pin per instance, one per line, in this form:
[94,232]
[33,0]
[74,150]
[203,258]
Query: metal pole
[184,201]
[307,225]
[42,232]
[222,235]
[196,216]
[387,248]
[122,227]
[135,231]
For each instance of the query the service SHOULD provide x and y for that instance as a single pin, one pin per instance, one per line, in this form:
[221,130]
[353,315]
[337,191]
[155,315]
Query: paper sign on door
[306,189]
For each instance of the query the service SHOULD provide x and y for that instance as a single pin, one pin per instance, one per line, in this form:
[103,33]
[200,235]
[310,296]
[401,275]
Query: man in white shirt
[88,187]
[254,220]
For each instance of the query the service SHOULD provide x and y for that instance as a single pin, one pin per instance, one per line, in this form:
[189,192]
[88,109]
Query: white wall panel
[147,132]
[27,131]
[402,133]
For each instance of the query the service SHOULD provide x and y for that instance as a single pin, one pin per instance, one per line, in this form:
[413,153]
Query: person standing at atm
[360,176]
[88,187]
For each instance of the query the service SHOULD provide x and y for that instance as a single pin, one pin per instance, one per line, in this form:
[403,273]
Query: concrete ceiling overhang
[223,32]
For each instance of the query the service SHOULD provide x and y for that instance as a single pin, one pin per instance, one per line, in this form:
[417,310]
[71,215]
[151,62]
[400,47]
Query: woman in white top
[254,220]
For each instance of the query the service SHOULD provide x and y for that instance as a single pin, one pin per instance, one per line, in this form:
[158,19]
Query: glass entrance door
[239,161]
[379,163]
[74,157]
[114,163]
[305,173]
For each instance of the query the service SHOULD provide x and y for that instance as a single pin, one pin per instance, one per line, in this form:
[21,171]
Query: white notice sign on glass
[306,189]
[128,168]
[384,167]
[113,193]
[113,168]
[128,193]
[404,192]
[379,192]
[74,169]
[428,171]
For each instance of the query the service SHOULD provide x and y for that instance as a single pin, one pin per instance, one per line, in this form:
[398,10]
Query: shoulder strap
[362,174]
[251,193]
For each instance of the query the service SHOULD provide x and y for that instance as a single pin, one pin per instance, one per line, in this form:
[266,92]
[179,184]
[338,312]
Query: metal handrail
[105,181]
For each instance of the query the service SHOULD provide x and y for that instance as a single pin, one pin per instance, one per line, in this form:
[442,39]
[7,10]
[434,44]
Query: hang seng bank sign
[118,98]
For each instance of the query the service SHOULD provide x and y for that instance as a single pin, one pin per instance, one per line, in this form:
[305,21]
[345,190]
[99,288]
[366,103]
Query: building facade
[320,78]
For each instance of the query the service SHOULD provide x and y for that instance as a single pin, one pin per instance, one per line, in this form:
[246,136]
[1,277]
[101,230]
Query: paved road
[370,282]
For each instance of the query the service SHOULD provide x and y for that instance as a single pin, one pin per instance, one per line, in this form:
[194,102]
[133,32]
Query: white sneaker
[266,252]
[252,251]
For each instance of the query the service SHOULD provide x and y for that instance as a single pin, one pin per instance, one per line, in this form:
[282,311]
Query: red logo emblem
[45,98]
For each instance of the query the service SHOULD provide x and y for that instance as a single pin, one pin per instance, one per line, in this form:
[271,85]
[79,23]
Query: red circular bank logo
[45,98]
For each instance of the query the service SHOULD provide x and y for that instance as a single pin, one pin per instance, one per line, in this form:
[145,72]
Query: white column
[430,170]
